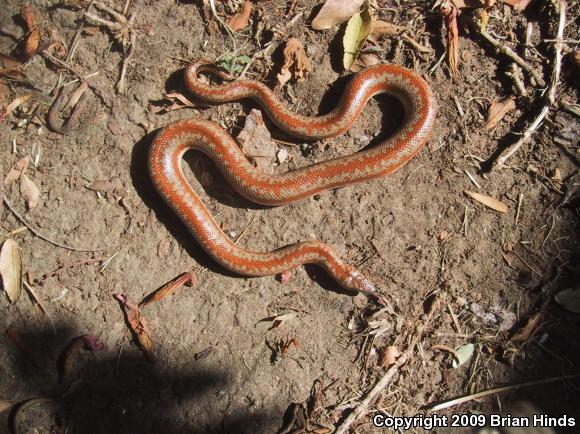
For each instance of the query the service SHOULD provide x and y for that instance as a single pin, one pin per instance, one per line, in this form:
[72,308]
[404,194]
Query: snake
[173,141]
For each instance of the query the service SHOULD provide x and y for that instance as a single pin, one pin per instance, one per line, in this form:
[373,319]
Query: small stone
[282,155]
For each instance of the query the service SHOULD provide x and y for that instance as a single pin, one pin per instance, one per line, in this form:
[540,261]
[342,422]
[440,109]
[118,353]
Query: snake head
[359,282]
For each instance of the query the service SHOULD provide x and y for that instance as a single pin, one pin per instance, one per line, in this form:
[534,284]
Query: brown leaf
[72,354]
[240,20]
[295,62]
[30,191]
[364,61]
[17,170]
[32,43]
[451,14]
[169,288]
[256,142]
[10,62]
[137,323]
[380,27]
[497,111]
[27,14]
[11,269]
[335,12]
[388,356]
[524,333]
[488,201]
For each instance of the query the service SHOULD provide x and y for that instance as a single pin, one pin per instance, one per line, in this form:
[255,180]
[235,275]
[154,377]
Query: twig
[264,51]
[550,95]
[386,379]
[44,237]
[484,393]
[121,84]
[504,49]
[81,96]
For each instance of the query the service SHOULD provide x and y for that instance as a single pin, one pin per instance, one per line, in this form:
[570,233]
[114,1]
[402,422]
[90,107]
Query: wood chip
[488,201]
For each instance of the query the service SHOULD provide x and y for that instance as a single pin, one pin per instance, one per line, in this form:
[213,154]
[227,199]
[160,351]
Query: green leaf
[463,353]
[357,30]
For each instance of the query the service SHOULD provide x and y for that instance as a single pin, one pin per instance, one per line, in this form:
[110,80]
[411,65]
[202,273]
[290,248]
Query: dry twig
[44,237]
[550,94]
[388,376]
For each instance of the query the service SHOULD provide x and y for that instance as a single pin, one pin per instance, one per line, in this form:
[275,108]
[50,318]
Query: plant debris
[137,323]
[296,62]
[335,12]
[357,30]
[188,279]
[490,202]
[11,269]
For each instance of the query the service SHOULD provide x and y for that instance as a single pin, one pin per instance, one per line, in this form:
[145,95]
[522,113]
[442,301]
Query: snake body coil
[174,140]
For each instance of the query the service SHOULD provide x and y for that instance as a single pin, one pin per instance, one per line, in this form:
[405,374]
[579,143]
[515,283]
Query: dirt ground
[217,367]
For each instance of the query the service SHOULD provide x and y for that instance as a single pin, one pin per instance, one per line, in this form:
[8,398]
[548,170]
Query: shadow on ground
[117,390]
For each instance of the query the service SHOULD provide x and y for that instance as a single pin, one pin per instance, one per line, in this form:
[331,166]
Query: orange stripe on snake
[173,141]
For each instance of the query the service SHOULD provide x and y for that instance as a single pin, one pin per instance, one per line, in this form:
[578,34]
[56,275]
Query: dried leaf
[256,142]
[451,13]
[463,354]
[388,356]
[181,98]
[30,191]
[524,333]
[295,62]
[10,62]
[32,43]
[497,111]
[12,106]
[380,27]
[240,20]
[279,320]
[488,201]
[364,61]
[17,170]
[72,354]
[569,299]
[335,12]
[357,30]
[170,287]
[137,323]
[11,269]
[27,14]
